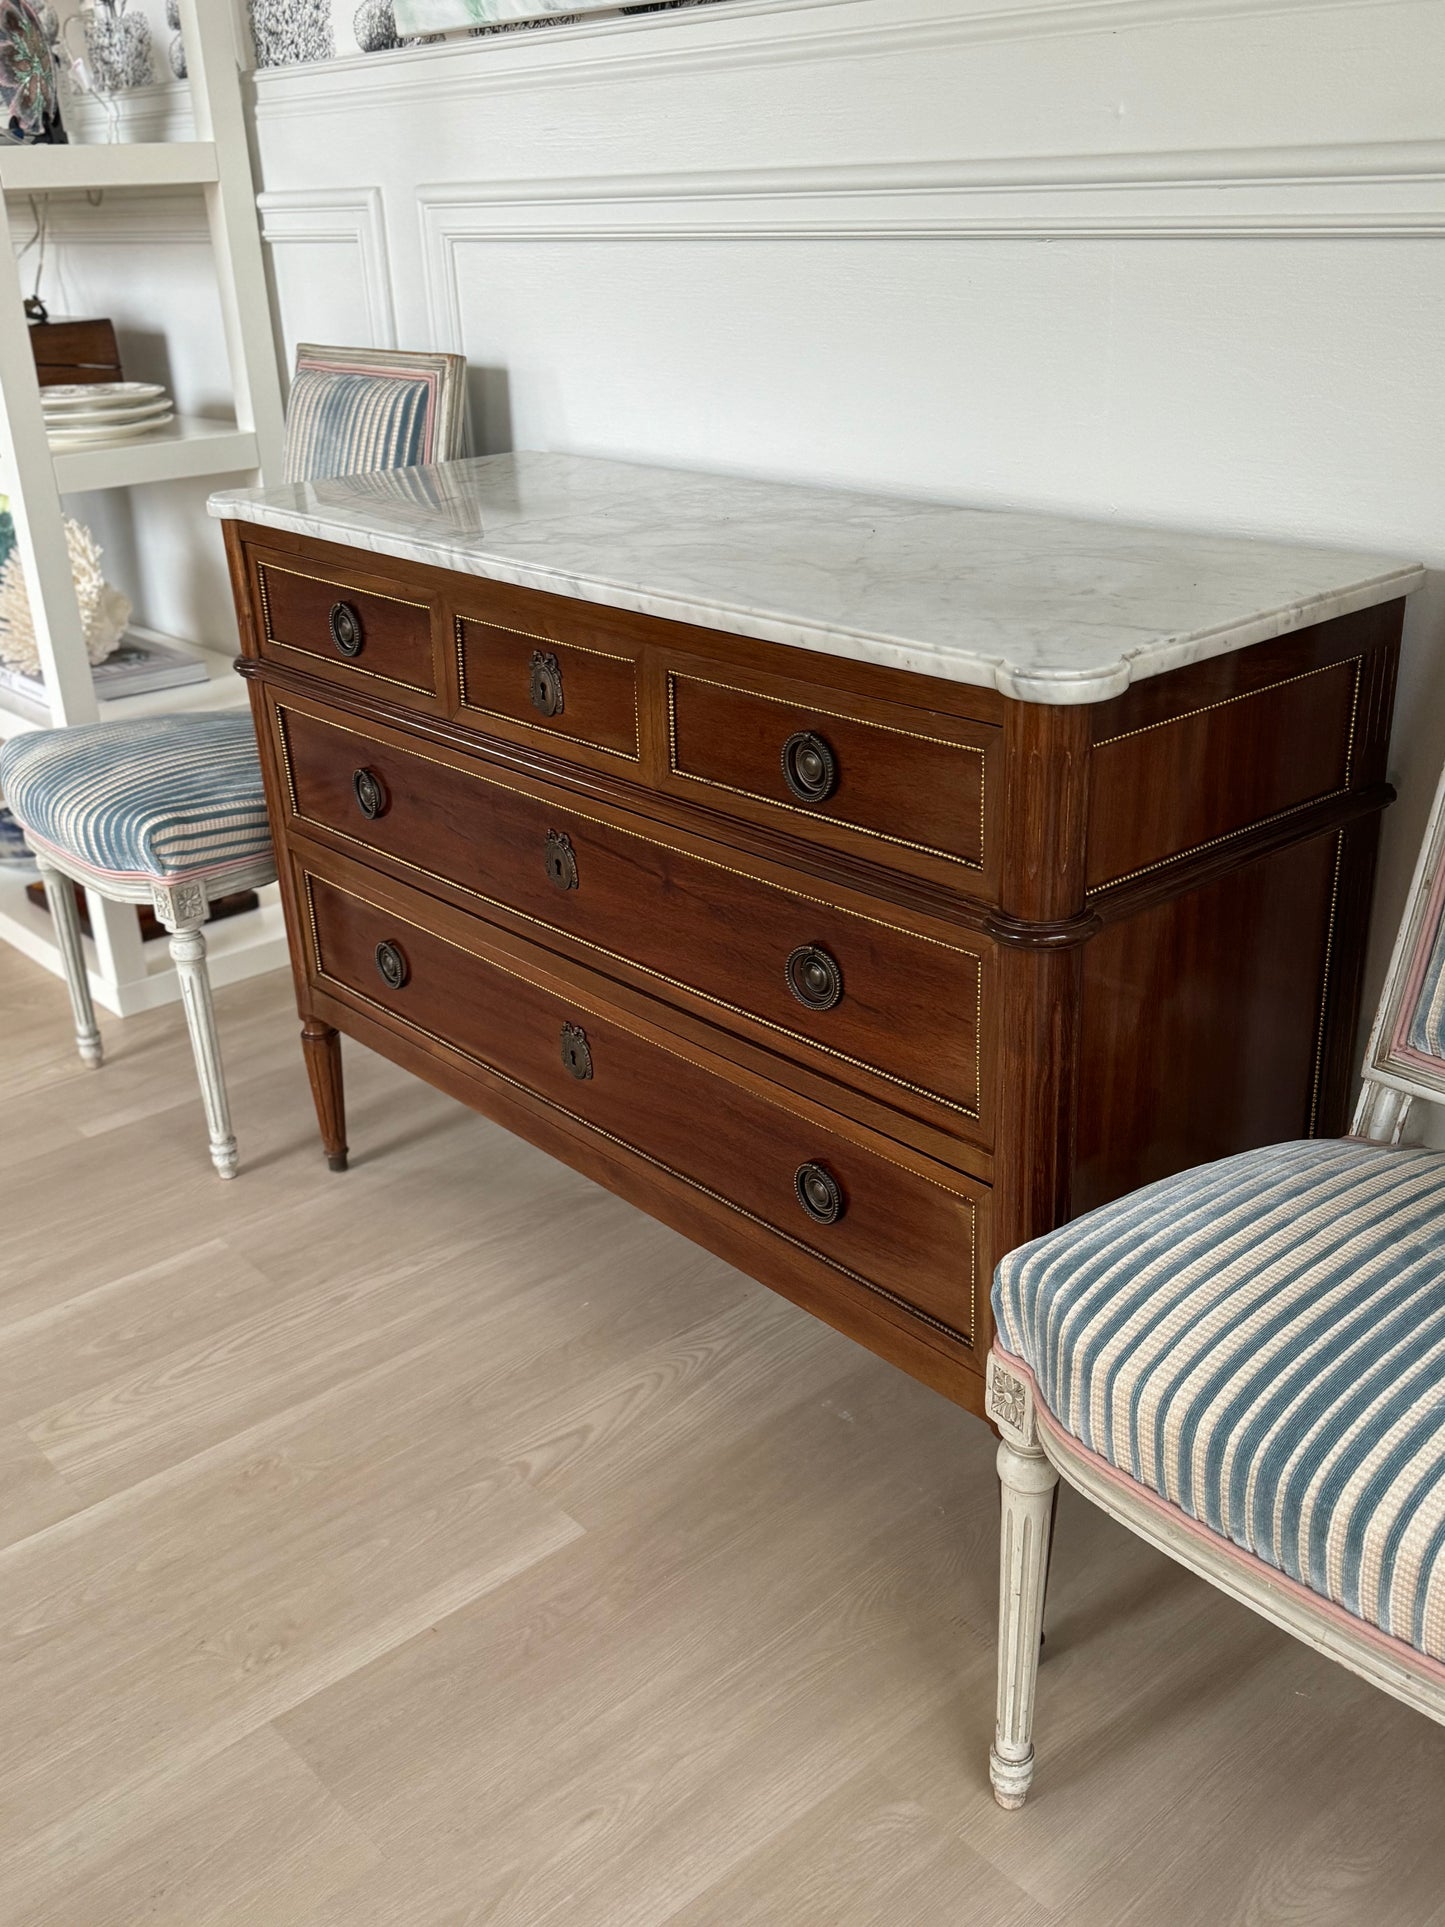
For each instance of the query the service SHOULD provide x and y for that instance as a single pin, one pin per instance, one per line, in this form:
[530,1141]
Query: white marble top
[1044,608]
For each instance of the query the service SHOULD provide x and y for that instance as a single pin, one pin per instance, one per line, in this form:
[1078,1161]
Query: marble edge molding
[1057,686]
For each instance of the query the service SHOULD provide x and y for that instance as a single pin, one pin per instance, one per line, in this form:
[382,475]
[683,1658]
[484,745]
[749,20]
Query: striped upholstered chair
[169,810]
[1246,1366]
[356,409]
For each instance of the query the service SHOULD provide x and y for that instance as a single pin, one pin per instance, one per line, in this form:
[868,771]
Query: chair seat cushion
[171,797]
[1261,1343]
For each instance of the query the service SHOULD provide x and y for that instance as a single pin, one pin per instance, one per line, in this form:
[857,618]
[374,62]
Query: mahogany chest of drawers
[858,975]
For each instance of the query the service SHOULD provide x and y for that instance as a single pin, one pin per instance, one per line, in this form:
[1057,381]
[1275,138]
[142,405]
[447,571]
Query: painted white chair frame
[183,909]
[1035,1452]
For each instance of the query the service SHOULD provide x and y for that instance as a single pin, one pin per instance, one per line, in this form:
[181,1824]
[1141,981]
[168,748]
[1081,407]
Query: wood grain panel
[908,1027]
[1181,784]
[911,1237]
[1203,1021]
[912,783]
[601,703]
[395,653]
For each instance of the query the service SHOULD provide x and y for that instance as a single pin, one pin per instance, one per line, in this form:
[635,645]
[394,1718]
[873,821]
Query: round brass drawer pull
[370,792]
[576,1052]
[544,684]
[561,861]
[819,1193]
[391,962]
[346,630]
[814,977]
[810,769]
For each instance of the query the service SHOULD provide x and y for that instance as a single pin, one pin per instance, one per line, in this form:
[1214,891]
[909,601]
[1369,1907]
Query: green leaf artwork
[450,16]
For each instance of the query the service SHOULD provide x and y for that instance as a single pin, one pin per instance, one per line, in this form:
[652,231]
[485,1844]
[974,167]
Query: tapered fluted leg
[188,948]
[1026,1522]
[321,1044]
[65,915]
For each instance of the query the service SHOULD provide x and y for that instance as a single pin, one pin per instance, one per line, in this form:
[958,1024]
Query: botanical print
[284,32]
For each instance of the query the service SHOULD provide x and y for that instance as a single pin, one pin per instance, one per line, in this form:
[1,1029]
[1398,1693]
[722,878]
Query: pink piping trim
[136,876]
[1405,1656]
[1419,964]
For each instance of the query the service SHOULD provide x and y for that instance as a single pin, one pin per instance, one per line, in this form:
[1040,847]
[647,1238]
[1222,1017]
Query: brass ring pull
[561,861]
[544,684]
[346,630]
[370,793]
[810,769]
[819,1193]
[391,962]
[814,977]
[576,1052]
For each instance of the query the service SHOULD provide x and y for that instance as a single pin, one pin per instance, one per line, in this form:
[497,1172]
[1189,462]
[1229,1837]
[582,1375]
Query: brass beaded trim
[1248,695]
[311,655]
[881,1291]
[521,722]
[918,1090]
[1248,829]
[838,715]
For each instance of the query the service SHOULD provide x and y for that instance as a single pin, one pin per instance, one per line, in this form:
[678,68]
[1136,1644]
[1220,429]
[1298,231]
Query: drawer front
[349,633]
[857,1206]
[537,669]
[895,1013]
[907,788]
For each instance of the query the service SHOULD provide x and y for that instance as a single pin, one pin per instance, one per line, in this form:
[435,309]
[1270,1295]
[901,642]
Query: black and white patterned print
[118,47]
[286,32]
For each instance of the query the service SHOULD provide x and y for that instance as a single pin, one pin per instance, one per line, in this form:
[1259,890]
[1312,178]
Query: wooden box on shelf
[75,351]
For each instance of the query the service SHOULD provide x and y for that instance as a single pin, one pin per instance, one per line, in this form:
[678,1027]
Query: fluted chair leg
[1026,1526]
[183,915]
[65,915]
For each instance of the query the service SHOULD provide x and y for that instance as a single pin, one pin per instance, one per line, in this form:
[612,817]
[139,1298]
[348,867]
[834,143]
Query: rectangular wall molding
[1370,191]
[356,216]
[740,34]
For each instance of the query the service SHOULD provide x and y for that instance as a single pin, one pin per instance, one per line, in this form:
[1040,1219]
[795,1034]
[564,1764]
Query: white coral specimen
[104,611]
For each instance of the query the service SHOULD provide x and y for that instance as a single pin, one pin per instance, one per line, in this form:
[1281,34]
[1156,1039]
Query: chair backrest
[356,409]
[1406,1055]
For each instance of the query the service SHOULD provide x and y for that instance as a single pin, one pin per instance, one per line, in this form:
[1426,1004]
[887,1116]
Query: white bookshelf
[217,163]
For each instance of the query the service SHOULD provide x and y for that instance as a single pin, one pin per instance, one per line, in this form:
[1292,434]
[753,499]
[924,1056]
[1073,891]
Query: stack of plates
[87,414]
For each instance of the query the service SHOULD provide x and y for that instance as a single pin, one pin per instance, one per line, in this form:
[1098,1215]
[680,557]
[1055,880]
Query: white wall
[1180,261]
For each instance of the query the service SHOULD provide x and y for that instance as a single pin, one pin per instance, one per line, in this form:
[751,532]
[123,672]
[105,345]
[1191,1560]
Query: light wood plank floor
[446,1543]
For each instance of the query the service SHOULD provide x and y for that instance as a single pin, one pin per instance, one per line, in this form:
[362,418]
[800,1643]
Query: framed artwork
[451,16]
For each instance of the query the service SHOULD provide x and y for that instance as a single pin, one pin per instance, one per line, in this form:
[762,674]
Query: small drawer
[892,1012]
[906,788]
[534,667]
[350,631]
[854,1202]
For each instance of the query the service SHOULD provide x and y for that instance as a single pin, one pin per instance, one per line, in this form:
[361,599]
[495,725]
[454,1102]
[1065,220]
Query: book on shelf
[138,667]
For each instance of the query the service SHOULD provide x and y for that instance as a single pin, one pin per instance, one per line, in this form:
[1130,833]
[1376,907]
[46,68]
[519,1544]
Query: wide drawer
[858,1204]
[347,628]
[907,788]
[896,1014]
[542,670]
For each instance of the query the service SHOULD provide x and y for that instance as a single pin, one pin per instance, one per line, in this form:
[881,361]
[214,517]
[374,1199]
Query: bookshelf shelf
[36,478]
[222,689]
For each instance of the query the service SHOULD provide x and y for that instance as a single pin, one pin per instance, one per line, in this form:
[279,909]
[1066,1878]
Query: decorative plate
[99,394]
[74,418]
[94,437]
[27,76]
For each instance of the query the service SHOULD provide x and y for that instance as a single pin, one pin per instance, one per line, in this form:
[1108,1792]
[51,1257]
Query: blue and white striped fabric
[340,423]
[1261,1343]
[173,797]
[1426,1031]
